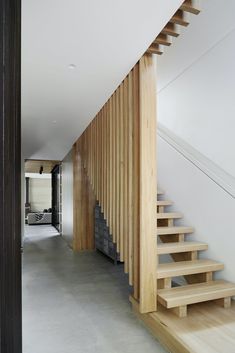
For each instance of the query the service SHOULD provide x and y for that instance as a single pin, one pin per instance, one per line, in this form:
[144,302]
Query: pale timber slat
[174,230]
[164,203]
[170,30]
[167,215]
[179,18]
[111,161]
[118,168]
[178,247]
[182,268]
[190,6]
[136,182]
[163,39]
[125,164]
[195,293]
[148,177]
[130,176]
[154,49]
[121,129]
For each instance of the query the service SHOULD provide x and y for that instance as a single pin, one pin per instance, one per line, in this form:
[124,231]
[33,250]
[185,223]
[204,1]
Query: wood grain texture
[166,335]
[136,182]
[34,165]
[208,328]
[108,157]
[148,184]
[84,203]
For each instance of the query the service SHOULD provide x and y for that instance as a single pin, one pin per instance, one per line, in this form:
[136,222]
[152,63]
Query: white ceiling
[104,39]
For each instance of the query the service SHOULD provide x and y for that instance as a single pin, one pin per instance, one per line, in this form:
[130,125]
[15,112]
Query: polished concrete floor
[76,303]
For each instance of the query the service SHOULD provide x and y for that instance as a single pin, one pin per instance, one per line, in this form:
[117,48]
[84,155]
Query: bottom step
[195,293]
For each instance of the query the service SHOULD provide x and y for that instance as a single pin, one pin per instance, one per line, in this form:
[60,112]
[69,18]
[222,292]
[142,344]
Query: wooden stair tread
[184,246]
[163,39]
[188,6]
[182,268]
[179,18]
[170,30]
[169,215]
[155,49]
[174,230]
[195,293]
[164,203]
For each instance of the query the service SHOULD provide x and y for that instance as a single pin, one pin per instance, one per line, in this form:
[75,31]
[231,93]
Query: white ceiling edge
[104,39]
[38,176]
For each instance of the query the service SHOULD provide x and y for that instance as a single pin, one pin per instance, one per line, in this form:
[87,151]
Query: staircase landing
[208,328]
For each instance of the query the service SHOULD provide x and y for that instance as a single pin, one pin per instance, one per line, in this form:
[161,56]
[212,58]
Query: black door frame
[55,196]
[10,177]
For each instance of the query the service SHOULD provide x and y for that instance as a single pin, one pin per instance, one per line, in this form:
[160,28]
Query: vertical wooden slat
[121,174]
[77,197]
[136,172]
[107,166]
[148,190]
[114,140]
[130,176]
[102,161]
[118,168]
[111,168]
[92,164]
[98,155]
[125,171]
[105,159]
[116,156]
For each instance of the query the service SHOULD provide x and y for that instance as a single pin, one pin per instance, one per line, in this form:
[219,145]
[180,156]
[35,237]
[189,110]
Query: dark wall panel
[10,178]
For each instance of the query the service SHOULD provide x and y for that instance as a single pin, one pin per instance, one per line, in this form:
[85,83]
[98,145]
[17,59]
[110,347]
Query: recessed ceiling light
[72,66]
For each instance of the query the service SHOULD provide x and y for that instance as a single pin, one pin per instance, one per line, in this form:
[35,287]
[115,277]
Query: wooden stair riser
[183,256]
[164,283]
[224,302]
[172,238]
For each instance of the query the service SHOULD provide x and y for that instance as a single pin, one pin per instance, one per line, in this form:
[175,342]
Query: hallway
[76,303]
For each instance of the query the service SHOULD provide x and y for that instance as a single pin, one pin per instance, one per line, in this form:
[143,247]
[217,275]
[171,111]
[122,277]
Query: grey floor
[76,303]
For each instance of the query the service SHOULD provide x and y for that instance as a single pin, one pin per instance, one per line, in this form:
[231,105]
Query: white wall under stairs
[205,205]
[196,85]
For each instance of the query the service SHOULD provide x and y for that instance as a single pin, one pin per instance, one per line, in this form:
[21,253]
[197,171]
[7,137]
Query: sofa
[39,218]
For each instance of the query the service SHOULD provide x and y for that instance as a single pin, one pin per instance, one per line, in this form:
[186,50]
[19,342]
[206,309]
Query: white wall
[196,102]
[39,194]
[205,205]
[67,198]
[196,84]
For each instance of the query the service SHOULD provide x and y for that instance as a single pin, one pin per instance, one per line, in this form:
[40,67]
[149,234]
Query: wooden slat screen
[108,155]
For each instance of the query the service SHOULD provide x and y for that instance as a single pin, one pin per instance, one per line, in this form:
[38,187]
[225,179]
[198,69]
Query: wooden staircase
[172,29]
[197,273]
